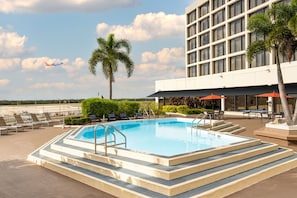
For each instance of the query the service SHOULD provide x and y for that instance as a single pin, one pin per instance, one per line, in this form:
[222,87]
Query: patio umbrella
[271,94]
[212,97]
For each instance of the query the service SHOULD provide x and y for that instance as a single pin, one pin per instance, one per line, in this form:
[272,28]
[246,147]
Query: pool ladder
[200,119]
[111,129]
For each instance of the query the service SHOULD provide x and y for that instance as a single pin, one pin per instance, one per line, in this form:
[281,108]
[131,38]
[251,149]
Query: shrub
[100,107]
[169,108]
[184,109]
[128,107]
[76,120]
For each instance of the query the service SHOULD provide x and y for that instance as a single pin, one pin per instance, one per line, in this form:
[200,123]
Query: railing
[108,128]
[204,116]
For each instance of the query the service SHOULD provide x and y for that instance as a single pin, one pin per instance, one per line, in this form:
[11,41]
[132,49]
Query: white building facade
[216,39]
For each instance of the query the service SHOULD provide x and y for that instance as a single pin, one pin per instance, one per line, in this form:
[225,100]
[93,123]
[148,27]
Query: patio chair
[94,118]
[10,127]
[138,115]
[50,120]
[123,116]
[2,130]
[111,117]
[37,121]
[19,120]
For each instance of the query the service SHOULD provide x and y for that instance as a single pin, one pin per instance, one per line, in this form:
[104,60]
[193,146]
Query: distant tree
[109,53]
[276,30]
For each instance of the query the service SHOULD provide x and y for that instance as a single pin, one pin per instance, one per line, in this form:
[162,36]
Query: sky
[33,32]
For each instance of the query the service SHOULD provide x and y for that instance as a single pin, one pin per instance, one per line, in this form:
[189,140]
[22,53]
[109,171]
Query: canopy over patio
[291,89]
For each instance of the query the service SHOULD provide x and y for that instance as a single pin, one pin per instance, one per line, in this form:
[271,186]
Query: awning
[291,89]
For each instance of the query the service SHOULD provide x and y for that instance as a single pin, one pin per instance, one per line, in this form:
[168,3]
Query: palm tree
[109,54]
[277,36]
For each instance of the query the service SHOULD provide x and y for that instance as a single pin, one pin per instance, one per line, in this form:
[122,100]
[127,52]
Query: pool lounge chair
[138,115]
[37,121]
[94,118]
[52,121]
[111,117]
[3,130]
[15,128]
[123,116]
[19,120]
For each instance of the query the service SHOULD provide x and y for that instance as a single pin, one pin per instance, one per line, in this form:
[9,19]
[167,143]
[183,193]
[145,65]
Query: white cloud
[9,63]
[11,44]
[34,6]
[165,56]
[4,82]
[30,64]
[75,66]
[146,27]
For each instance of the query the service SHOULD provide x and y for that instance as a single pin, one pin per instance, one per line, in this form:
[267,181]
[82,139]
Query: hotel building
[216,39]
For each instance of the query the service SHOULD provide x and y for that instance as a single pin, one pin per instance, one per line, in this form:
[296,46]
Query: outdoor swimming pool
[164,137]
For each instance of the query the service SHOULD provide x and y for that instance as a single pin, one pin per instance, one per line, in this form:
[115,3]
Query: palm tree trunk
[110,83]
[282,91]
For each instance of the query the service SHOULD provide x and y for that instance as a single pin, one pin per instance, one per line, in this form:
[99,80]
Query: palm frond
[255,48]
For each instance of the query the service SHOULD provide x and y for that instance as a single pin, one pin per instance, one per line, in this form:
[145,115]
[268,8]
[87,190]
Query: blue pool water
[166,137]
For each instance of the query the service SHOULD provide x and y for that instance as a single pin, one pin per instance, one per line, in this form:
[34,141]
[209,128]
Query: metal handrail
[95,135]
[202,118]
[114,141]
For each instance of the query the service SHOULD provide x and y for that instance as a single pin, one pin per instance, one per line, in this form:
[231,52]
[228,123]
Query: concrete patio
[20,178]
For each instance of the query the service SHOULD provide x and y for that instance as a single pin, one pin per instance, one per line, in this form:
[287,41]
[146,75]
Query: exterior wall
[241,78]
[241,74]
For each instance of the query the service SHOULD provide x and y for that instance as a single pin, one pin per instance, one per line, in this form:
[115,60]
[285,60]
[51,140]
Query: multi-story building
[216,39]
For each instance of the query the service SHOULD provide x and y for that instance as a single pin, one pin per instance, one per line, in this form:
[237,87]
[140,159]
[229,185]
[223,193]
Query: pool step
[223,126]
[209,174]
[170,172]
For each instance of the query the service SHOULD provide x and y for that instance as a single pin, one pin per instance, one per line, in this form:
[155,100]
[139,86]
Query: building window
[263,10]
[219,50]
[236,9]
[284,59]
[192,58]
[255,3]
[191,17]
[204,54]
[204,24]
[192,71]
[219,66]
[237,26]
[204,69]
[204,39]
[192,30]
[219,33]
[204,9]
[261,58]
[192,44]
[219,17]
[217,3]
[237,62]
[237,44]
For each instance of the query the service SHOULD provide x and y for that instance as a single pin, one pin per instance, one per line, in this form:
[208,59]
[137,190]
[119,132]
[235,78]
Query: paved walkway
[22,179]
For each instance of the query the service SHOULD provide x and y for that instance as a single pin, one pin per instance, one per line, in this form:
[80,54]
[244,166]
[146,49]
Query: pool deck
[22,179]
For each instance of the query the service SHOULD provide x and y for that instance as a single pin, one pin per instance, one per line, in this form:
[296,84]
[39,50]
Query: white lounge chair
[15,128]
[37,121]
[19,120]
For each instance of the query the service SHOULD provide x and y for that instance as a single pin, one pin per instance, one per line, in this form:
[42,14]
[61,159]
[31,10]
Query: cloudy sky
[33,32]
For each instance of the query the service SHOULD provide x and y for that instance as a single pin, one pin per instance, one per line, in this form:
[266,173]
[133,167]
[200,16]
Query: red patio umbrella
[271,94]
[212,97]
